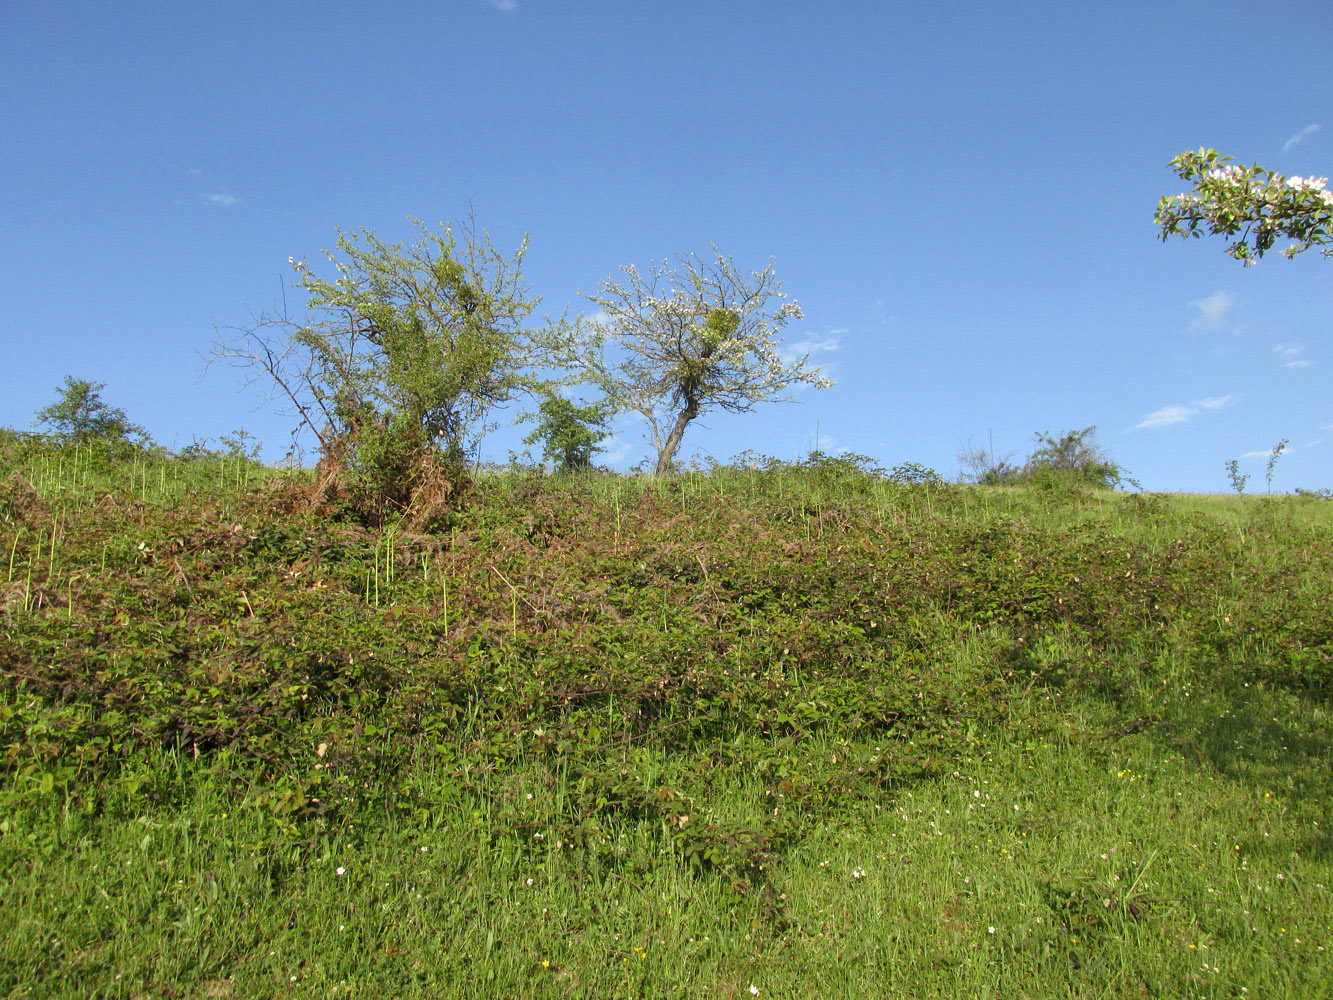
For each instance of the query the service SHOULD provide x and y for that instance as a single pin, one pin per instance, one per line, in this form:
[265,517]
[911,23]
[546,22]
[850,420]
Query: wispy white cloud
[222,198]
[505,5]
[1213,310]
[1179,413]
[831,341]
[828,344]
[1166,416]
[1287,449]
[1299,137]
[1290,355]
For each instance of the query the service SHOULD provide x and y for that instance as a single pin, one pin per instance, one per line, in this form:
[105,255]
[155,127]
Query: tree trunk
[667,451]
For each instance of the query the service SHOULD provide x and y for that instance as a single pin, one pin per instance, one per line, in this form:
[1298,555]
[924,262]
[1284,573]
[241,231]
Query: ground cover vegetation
[775,729]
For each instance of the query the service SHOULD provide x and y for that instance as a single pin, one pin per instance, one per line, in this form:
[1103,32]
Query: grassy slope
[798,729]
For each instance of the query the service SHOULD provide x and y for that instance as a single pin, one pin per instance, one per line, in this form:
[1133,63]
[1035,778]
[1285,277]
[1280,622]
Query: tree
[570,434]
[1258,204]
[691,338]
[80,415]
[404,353]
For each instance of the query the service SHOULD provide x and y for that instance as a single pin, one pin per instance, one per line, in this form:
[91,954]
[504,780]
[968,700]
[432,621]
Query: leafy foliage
[1238,480]
[914,474]
[81,416]
[1256,205]
[695,686]
[1069,460]
[569,434]
[1273,456]
[407,350]
[1072,455]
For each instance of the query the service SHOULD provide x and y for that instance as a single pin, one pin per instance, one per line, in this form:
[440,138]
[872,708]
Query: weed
[1237,480]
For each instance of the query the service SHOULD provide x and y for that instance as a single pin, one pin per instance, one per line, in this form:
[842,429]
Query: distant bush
[844,469]
[569,434]
[81,415]
[239,446]
[1314,494]
[1070,460]
[844,472]
[914,474]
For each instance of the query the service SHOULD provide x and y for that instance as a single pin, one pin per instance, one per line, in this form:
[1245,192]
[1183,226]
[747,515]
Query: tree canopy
[569,434]
[81,415]
[688,338]
[403,353]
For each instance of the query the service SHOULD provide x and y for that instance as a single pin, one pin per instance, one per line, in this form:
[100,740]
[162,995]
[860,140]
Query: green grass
[795,728]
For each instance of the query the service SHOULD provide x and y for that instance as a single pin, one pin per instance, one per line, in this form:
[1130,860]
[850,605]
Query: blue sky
[960,196]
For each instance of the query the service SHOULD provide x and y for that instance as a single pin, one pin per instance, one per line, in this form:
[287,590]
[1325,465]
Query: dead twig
[513,588]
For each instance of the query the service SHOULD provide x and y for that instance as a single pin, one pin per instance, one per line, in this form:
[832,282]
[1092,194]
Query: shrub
[1073,455]
[914,474]
[1071,459]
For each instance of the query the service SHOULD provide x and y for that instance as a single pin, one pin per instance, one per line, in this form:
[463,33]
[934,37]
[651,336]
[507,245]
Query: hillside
[799,727]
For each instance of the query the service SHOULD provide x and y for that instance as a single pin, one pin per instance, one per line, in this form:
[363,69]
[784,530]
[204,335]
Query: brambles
[781,705]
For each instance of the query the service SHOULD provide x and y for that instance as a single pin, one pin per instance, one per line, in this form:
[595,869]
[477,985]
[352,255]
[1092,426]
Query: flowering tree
[690,338]
[1252,205]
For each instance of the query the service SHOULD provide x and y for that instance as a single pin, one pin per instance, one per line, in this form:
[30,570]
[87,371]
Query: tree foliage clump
[1252,206]
[698,336]
[1074,455]
[404,353]
[570,435]
[81,416]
